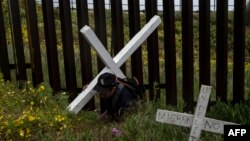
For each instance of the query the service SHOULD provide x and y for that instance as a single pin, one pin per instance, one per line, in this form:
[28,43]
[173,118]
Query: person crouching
[118,97]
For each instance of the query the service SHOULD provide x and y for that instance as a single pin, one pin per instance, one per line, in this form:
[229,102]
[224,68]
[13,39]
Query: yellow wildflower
[18,122]
[63,127]
[31,118]
[32,90]
[59,118]
[41,88]
[21,132]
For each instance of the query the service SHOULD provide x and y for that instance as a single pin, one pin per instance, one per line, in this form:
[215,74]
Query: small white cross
[112,64]
[198,121]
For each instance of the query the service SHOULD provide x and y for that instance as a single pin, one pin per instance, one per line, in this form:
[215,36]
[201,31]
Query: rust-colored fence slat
[117,28]
[204,42]
[170,52]
[221,49]
[187,54]
[239,50]
[100,30]
[18,47]
[4,60]
[34,44]
[85,54]
[153,53]
[51,45]
[68,49]
[134,27]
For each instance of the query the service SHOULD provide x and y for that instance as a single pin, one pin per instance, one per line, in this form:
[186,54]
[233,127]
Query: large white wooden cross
[198,121]
[112,65]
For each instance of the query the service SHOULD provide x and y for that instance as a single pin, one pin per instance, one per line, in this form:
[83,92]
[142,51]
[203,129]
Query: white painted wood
[200,112]
[198,121]
[101,51]
[81,100]
[186,120]
[137,40]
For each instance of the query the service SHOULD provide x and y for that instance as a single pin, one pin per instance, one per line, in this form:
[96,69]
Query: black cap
[105,82]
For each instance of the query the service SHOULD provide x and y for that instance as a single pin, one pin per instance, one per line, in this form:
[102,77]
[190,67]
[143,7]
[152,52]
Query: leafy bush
[28,111]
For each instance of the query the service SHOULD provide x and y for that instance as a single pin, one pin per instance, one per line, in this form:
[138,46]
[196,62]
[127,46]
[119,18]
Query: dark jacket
[120,101]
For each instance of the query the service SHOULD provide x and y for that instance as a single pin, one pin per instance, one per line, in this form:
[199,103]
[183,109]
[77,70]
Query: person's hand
[84,87]
[104,115]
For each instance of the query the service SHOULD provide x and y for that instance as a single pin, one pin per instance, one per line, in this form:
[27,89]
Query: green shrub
[26,111]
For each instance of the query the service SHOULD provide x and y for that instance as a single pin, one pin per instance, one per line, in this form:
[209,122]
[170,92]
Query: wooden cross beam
[197,122]
[81,100]
[200,112]
[101,51]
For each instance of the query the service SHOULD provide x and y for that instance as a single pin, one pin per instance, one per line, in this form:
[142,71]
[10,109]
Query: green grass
[28,113]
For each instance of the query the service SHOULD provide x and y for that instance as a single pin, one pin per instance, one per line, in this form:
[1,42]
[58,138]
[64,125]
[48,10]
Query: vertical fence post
[153,53]
[170,51]
[239,50]
[85,53]
[34,44]
[117,28]
[187,54]
[17,38]
[100,30]
[68,49]
[4,60]
[221,49]
[204,42]
[134,27]
[100,26]
[51,46]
